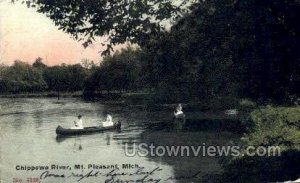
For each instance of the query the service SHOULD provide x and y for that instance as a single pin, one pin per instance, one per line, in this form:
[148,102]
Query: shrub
[275,126]
[246,105]
[272,126]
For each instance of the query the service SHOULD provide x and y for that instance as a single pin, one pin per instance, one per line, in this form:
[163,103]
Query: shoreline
[76,94]
[138,99]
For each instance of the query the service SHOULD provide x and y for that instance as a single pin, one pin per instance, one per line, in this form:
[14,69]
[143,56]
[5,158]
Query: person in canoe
[108,121]
[78,124]
[178,110]
[179,118]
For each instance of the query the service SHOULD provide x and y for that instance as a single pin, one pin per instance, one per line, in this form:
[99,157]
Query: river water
[28,139]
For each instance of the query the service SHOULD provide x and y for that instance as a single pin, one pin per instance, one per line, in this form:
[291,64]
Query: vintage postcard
[149,91]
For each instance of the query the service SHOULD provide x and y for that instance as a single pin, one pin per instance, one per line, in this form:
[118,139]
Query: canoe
[92,129]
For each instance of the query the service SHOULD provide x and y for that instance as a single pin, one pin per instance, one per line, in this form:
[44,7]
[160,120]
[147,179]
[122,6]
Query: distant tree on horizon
[38,63]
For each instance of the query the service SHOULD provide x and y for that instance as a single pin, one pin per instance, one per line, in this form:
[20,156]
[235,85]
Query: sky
[26,35]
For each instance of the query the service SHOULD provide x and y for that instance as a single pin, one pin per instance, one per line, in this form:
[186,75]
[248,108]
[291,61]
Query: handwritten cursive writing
[47,174]
[116,175]
[184,177]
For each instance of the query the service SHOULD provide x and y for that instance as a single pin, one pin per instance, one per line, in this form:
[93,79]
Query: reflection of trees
[214,125]
[209,167]
[264,169]
[38,118]
[246,169]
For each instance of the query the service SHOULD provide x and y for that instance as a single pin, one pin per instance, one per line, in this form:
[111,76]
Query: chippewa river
[29,144]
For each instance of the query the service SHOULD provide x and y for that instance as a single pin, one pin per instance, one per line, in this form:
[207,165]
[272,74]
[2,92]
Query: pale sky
[26,35]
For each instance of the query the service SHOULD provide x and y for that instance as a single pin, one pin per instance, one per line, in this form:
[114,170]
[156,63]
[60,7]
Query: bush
[275,126]
[272,126]
[246,105]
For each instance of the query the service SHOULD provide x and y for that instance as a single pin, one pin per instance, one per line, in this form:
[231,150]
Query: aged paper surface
[149,91]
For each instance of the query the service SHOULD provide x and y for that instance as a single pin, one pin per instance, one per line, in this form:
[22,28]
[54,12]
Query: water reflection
[108,137]
[187,168]
[207,168]
[29,138]
[77,143]
[78,138]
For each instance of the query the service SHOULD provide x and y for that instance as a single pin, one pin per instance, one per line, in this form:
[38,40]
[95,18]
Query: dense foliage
[120,72]
[38,77]
[216,48]
[275,126]
[119,21]
[65,77]
[272,126]
[240,48]
[21,77]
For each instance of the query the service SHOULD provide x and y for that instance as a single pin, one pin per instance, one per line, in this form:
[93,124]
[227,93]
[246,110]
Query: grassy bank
[275,126]
[271,126]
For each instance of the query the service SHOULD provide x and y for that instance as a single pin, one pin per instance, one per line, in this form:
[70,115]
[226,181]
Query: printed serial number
[28,180]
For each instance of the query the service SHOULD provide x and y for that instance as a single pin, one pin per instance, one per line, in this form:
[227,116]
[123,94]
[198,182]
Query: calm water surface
[28,138]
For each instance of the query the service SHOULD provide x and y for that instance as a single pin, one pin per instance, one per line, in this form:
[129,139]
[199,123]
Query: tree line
[117,73]
[219,48]
[38,77]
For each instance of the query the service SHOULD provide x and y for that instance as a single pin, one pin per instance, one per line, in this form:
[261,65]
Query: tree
[118,72]
[65,77]
[119,21]
[267,45]
[229,47]
[21,77]
[220,47]
[38,63]
[88,64]
[193,60]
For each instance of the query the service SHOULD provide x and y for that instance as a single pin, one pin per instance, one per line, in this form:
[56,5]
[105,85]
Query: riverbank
[134,98]
[48,94]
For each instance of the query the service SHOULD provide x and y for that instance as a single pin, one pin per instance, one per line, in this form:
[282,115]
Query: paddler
[78,124]
[108,121]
